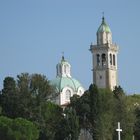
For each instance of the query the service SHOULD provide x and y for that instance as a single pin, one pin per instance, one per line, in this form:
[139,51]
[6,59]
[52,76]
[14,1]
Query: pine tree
[94,116]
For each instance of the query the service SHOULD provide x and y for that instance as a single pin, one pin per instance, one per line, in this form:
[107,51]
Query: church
[104,58]
[65,85]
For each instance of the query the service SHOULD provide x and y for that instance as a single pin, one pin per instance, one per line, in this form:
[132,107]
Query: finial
[63,56]
[103,19]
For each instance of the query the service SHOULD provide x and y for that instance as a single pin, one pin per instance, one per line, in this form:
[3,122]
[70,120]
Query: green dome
[61,82]
[103,27]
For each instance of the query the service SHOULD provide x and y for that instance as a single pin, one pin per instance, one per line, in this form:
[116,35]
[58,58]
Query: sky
[34,33]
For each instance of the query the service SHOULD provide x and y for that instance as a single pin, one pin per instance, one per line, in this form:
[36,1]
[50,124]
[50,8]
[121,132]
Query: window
[110,59]
[114,59]
[98,59]
[103,59]
[68,94]
[100,76]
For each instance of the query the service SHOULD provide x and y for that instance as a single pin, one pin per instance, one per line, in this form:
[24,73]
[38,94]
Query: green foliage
[9,99]
[97,111]
[137,125]
[133,102]
[72,123]
[0,110]
[51,120]
[121,114]
[9,85]
[82,107]
[27,98]
[5,129]
[118,92]
[17,129]
[106,114]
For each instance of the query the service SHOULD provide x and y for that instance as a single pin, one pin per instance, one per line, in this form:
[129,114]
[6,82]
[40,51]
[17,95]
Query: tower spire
[104,58]
[103,18]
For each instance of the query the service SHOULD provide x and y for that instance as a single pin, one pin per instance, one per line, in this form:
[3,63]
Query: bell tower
[104,56]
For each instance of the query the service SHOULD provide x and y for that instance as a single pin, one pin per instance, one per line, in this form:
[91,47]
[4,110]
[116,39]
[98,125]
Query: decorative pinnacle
[103,19]
[63,56]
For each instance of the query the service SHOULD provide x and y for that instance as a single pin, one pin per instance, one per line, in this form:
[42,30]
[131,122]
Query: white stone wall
[63,97]
[113,79]
[103,38]
[101,79]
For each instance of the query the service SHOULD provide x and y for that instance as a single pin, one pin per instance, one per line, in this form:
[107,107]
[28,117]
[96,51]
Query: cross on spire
[103,18]
[119,131]
[63,56]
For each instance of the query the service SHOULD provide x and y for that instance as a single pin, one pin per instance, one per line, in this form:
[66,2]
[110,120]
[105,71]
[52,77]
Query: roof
[62,82]
[103,27]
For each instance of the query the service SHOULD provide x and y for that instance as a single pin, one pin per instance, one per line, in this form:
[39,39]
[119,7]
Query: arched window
[110,59]
[68,94]
[103,59]
[98,59]
[114,59]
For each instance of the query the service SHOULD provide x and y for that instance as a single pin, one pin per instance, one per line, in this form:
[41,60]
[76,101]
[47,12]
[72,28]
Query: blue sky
[34,33]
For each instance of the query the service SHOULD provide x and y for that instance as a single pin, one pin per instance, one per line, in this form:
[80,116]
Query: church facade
[104,57]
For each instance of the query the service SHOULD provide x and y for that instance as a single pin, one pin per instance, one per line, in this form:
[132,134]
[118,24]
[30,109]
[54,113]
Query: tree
[33,91]
[5,129]
[40,87]
[9,99]
[95,112]
[133,103]
[17,129]
[72,124]
[121,114]
[94,117]
[101,113]
[118,92]
[137,125]
[82,108]
[50,124]
[106,114]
